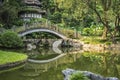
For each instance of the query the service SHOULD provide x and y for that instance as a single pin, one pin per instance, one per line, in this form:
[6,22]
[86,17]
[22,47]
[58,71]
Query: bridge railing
[46,25]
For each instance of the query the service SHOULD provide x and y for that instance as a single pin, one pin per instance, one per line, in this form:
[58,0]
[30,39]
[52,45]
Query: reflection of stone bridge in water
[34,69]
[37,69]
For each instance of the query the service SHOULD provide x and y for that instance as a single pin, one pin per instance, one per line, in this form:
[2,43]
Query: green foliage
[87,31]
[107,16]
[108,43]
[9,12]
[43,20]
[78,76]
[93,40]
[10,39]
[77,13]
[56,17]
[93,30]
[33,20]
[69,33]
[18,22]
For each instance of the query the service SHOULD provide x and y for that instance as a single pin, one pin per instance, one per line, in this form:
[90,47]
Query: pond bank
[11,59]
[12,65]
[101,47]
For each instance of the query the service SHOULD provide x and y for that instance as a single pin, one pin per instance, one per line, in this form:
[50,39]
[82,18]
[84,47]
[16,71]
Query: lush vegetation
[88,17]
[84,13]
[95,40]
[10,39]
[9,13]
[97,20]
[78,76]
[9,57]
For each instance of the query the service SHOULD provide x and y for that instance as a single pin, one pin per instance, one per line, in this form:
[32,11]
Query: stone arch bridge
[43,27]
[54,43]
[23,33]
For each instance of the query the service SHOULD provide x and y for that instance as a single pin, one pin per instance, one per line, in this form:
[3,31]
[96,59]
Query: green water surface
[105,63]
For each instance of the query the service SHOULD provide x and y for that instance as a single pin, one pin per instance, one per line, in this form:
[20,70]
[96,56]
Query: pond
[105,64]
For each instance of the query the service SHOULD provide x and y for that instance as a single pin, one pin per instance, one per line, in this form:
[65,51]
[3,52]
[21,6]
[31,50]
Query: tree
[103,10]
[49,6]
[116,10]
[9,12]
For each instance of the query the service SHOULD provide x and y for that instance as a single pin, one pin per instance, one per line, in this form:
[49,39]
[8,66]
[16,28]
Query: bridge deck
[43,25]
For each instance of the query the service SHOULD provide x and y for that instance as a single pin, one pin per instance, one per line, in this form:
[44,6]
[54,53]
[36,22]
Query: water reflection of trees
[106,64]
[112,64]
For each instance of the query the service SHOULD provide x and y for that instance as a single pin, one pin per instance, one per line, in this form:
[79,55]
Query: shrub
[108,43]
[10,39]
[92,31]
[78,76]
[87,31]
[69,33]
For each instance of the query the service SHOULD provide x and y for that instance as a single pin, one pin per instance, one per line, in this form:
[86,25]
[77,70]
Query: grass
[94,40]
[78,76]
[9,57]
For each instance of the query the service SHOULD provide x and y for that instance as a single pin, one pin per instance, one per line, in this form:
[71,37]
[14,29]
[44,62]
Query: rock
[68,72]
[112,78]
[29,46]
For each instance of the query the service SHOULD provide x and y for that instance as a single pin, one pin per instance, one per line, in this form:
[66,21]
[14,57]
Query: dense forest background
[89,17]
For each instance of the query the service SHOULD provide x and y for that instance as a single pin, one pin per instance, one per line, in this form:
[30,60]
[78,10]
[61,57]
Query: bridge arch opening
[41,35]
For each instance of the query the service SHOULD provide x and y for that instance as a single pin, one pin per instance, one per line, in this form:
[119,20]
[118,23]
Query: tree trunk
[104,35]
[117,26]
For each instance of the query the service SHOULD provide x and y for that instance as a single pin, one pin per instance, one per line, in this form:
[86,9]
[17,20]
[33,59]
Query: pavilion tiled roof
[37,2]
